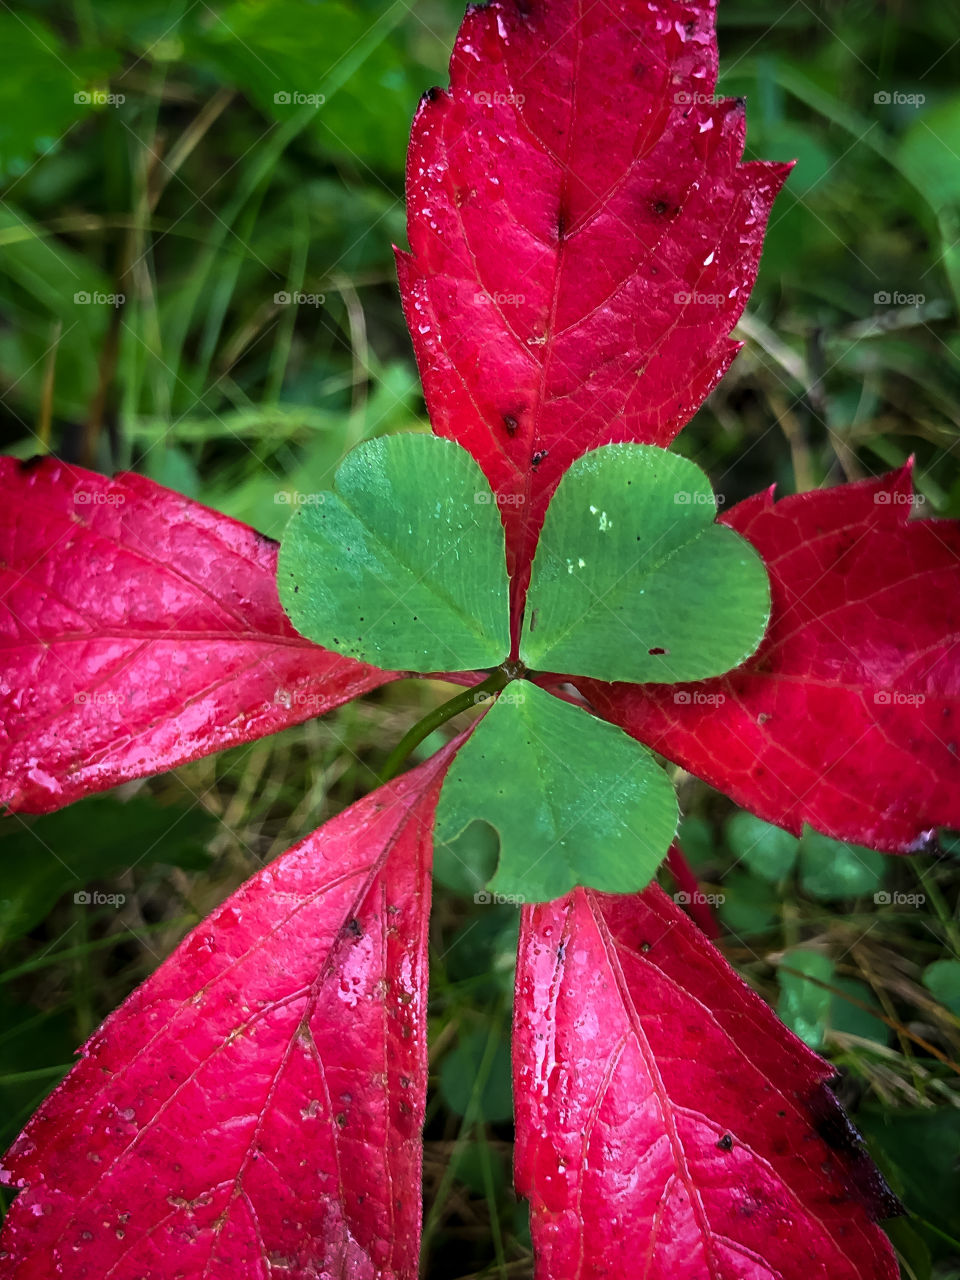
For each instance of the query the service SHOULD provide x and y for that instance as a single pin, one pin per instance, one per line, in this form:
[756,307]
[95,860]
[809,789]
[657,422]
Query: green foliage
[828,868]
[804,1005]
[47,89]
[403,564]
[831,869]
[634,580]
[572,798]
[942,980]
[48,857]
[355,95]
[917,1151]
[475,1077]
[768,851]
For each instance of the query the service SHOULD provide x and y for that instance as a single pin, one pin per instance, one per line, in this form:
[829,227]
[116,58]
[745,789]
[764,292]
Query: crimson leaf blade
[669,1127]
[583,236]
[256,1106]
[139,630]
[848,716]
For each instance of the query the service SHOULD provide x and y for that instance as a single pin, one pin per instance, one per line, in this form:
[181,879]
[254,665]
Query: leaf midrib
[439,593]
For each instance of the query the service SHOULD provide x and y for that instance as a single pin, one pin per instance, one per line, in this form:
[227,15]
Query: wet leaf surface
[256,1105]
[667,1123]
[139,630]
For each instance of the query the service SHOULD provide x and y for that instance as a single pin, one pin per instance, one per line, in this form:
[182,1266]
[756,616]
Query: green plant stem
[496,681]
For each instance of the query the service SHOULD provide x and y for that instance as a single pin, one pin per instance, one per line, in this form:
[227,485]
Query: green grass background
[199,198]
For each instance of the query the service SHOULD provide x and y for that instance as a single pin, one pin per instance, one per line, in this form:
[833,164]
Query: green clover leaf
[633,579]
[573,799]
[403,565]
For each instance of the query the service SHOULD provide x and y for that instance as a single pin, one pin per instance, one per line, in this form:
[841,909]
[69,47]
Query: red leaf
[668,1125]
[140,630]
[574,186]
[256,1105]
[848,716]
[691,894]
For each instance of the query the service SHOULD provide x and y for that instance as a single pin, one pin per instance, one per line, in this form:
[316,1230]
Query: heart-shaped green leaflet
[633,579]
[573,798]
[403,565]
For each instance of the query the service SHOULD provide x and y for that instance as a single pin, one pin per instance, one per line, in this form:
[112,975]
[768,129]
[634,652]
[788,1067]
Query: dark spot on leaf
[341,1119]
[645,947]
[657,653]
[431,95]
[863,1179]
[726,1143]
[353,926]
[511,423]
[538,457]
[660,207]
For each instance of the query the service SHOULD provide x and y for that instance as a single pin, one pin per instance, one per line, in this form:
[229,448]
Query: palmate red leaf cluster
[583,239]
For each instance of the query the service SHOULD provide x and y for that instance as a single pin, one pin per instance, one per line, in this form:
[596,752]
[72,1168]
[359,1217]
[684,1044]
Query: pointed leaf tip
[595,305]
